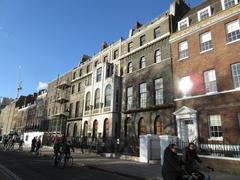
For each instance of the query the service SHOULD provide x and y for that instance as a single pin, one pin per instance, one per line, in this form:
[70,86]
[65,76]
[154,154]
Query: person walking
[171,169]
[33,145]
[38,145]
[190,160]
[20,144]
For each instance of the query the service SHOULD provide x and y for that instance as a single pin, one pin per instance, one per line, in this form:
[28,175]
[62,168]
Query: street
[29,167]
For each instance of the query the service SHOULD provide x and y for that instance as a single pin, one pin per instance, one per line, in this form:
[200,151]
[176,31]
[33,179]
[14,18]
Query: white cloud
[42,85]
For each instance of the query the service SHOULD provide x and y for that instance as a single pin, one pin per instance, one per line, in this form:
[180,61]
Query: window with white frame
[157,56]
[105,59]
[210,81]
[130,46]
[183,50]
[108,95]
[228,3]
[97,99]
[129,97]
[129,67]
[205,41]
[80,72]
[233,30]
[204,13]
[183,24]
[99,74]
[157,32]
[158,85]
[142,40]
[142,62]
[87,102]
[215,126]
[116,54]
[143,95]
[236,74]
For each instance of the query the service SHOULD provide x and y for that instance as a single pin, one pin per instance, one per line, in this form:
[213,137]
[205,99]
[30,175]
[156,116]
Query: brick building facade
[206,72]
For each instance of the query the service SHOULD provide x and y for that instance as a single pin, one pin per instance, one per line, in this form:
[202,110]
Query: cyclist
[57,150]
[190,159]
[67,146]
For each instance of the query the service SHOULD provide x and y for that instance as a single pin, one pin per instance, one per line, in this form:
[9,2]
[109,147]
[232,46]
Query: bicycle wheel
[69,161]
[61,161]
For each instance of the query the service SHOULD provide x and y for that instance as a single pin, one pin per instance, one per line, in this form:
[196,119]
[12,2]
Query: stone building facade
[206,72]
[147,88]
[102,95]
[58,104]
[81,77]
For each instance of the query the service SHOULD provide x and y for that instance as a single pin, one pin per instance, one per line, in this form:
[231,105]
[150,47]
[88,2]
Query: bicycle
[197,174]
[62,161]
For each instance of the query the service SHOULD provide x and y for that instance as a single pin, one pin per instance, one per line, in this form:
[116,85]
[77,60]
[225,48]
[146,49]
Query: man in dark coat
[33,145]
[171,169]
[190,159]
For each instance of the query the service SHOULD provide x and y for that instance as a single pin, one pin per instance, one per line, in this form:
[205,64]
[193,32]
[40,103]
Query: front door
[190,131]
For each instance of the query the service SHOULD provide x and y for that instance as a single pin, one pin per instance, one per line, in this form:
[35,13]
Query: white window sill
[202,52]
[231,42]
[183,58]
[215,139]
[215,92]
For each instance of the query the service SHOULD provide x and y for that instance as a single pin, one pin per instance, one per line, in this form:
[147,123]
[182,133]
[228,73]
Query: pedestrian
[38,144]
[190,160]
[20,144]
[5,142]
[171,169]
[33,145]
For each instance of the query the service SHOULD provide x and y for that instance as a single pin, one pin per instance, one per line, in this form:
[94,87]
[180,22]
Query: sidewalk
[137,170]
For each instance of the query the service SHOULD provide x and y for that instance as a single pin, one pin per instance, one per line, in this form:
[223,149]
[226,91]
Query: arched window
[106,129]
[95,129]
[158,126]
[85,129]
[108,96]
[142,128]
[68,129]
[142,63]
[75,130]
[129,67]
[87,103]
[157,56]
[97,99]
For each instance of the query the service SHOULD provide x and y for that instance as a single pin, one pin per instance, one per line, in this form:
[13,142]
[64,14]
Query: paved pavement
[133,169]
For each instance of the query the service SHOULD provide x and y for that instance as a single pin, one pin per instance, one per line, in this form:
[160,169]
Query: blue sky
[48,37]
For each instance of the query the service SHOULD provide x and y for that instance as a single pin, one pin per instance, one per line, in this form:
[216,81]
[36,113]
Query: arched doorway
[75,130]
[106,129]
[142,128]
[158,126]
[95,130]
[68,129]
[85,129]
